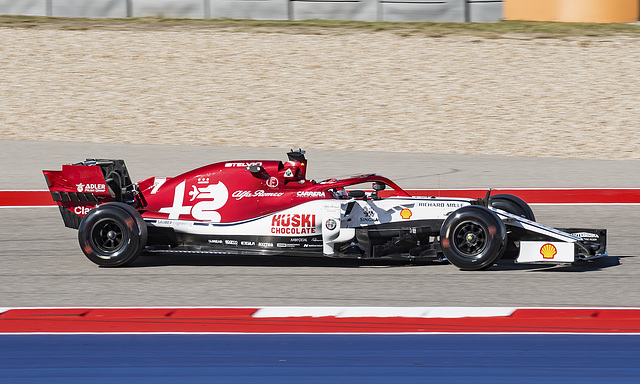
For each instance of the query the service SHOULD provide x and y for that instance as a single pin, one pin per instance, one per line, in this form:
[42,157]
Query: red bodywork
[224,192]
[78,188]
[228,192]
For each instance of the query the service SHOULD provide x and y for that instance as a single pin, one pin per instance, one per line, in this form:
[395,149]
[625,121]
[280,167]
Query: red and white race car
[269,207]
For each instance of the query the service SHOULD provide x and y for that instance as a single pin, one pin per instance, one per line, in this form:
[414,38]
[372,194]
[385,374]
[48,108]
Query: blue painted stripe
[156,359]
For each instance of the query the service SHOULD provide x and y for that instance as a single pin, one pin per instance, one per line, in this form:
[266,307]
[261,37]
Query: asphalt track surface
[42,265]
[279,359]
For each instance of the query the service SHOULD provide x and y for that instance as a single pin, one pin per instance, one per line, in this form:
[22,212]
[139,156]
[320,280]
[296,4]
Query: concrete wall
[250,9]
[24,7]
[423,10]
[483,11]
[92,8]
[364,10]
[188,9]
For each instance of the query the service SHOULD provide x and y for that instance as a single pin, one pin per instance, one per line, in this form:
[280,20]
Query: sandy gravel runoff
[363,90]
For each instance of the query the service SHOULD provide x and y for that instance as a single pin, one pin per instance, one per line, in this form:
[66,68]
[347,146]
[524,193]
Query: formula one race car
[269,208]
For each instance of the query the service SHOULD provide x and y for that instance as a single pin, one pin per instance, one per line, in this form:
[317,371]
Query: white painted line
[412,312]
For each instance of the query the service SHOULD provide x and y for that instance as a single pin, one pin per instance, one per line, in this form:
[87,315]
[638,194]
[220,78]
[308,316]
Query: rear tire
[473,238]
[112,235]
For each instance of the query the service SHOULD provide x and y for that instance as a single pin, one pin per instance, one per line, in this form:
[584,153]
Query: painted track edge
[332,320]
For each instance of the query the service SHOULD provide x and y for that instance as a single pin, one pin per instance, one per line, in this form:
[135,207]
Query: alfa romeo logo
[331,224]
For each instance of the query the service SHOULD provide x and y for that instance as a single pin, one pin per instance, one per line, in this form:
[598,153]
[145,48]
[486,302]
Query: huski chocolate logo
[293,224]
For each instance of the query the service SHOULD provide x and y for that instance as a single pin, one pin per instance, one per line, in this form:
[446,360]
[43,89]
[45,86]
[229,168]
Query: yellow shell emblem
[406,213]
[548,251]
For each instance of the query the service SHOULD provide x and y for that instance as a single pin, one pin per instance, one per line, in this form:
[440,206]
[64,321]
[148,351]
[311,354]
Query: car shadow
[161,259]
[579,266]
[196,259]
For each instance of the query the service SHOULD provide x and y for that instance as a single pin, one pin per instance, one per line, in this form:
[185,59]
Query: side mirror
[357,194]
[377,186]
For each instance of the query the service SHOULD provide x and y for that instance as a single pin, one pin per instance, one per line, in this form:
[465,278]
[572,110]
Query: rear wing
[80,187]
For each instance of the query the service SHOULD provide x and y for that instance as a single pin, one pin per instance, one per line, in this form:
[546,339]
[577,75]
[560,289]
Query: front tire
[112,235]
[512,204]
[473,238]
[516,206]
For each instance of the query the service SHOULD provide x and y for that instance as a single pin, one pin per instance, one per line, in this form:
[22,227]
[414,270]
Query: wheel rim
[108,236]
[470,239]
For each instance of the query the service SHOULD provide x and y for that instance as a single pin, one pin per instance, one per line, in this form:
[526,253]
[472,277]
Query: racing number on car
[216,196]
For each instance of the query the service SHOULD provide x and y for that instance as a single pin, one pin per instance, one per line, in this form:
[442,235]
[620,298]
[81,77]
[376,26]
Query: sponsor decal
[310,194]
[587,236]
[369,215]
[203,180]
[214,241]
[248,243]
[288,173]
[239,195]
[331,224]
[82,210]
[242,164]
[272,182]
[548,251]
[91,187]
[441,204]
[286,245]
[214,197]
[298,240]
[406,213]
[434,204]
[231,242]
[311,245]
[265,244]
[293,224]
[368,211]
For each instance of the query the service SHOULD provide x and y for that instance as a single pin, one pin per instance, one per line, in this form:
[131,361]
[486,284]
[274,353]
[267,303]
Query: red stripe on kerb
[544,196]
[240,320]
[25,198]
[531,196]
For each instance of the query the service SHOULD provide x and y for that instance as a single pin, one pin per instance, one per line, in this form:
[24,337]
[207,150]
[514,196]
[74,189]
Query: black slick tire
[112,235]
[473,238]
[516,206]
[512,204]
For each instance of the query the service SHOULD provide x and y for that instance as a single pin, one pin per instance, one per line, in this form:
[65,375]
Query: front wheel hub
[471,238]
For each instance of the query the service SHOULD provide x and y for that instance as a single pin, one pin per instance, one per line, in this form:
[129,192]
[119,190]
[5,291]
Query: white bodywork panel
[546,252]
[336,221]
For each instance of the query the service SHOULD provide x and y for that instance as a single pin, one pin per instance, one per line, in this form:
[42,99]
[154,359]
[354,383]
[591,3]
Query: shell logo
[548,251]
[406,213]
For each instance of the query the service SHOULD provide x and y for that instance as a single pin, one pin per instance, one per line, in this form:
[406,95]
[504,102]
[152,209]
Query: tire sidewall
[494,232]
[512,204]
[134,234]
[516,206]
